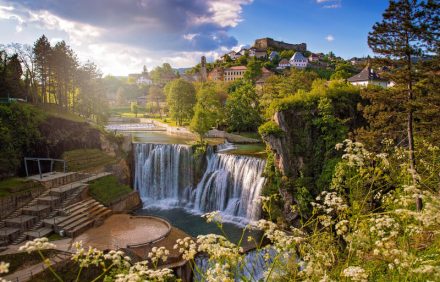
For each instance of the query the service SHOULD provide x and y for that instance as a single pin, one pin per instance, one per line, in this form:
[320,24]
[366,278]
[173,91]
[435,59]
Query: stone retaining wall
[11,203]
[126,203]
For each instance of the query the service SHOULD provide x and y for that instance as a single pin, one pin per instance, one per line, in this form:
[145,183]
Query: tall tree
[13,77]
[208,112]
[243,109]
[181,98]
[409,28]
[42,51]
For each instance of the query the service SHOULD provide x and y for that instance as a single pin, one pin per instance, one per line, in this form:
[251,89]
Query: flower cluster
[158,254]
[213,216]
[118,258]
[219,273]
[187,247]
[4,267]
[37,244]
[140,272]
[218,247]
[355,273]
[88,257]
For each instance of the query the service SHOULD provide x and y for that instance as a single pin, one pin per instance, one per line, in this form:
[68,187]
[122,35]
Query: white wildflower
[37,244]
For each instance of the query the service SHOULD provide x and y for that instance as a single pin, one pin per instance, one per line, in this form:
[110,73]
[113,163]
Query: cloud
[330,4]
[330,38]
[152,24]
[120,35]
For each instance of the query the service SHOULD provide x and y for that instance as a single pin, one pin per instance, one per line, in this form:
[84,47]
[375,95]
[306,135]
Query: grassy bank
[87,159]
[108,189]
[14,185]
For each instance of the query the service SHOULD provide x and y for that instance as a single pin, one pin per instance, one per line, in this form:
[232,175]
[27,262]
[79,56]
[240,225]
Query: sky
[121,36]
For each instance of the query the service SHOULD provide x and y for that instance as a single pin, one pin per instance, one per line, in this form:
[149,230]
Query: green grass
[55,237]
[13,185]
[108,189]
[87,159]
[253,135]
[252,150]
[57,111]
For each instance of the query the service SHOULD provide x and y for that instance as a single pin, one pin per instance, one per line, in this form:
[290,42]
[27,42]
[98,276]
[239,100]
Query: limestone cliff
[302,137]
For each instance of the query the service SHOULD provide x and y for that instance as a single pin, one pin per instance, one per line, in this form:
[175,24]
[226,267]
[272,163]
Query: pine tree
[42,51]
[409,29]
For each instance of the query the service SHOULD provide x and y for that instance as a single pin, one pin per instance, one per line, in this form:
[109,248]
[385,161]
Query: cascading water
[164,177]
[253,266]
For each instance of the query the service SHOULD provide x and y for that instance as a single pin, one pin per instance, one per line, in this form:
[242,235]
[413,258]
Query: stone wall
[265,43]
[10,203]
[126,203]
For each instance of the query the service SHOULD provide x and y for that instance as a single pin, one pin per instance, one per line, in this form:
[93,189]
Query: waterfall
[252,267]
[231,184]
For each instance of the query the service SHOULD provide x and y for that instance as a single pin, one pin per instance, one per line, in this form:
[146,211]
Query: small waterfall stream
[164,177]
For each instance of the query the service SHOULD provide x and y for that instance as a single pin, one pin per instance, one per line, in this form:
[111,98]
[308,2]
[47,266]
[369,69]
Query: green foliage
[19,135]
[88,159]
[243,109]
[253,70]
[108,189]
[270,128]
[134,108]
[208,111]
[181,98]
[280,87]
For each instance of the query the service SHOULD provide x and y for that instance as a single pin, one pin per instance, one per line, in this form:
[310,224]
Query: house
[257,53]
[273,55]
[368,77]
[234,73]
[284,63]
[298,61]
[144,79]
[313,58]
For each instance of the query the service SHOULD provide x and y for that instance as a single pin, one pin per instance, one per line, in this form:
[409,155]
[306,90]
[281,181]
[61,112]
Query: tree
[156,95]
[13,77]
[409,28]
[253,70]
[42,51]
[134,108]
[208,111]
[181,98]
[243,109]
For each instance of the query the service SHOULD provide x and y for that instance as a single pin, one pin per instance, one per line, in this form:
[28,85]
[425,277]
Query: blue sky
[122,36]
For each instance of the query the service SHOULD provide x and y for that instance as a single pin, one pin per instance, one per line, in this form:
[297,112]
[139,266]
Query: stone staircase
[78,217]
[30,221]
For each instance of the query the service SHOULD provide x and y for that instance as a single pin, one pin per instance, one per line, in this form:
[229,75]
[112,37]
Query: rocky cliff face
[294,148]
[62,135]
[293,152]
[302,138]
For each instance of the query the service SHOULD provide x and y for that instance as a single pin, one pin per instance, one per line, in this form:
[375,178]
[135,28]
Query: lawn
[252,150]
[13,185]
[57,111]
[108,189]
[87,159]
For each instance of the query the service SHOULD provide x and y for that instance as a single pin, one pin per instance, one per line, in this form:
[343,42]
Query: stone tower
[203,74]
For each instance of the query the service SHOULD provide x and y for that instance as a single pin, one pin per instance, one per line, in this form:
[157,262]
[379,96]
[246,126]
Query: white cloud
[330,4]
[330,38]
[153,32]
[190,36]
